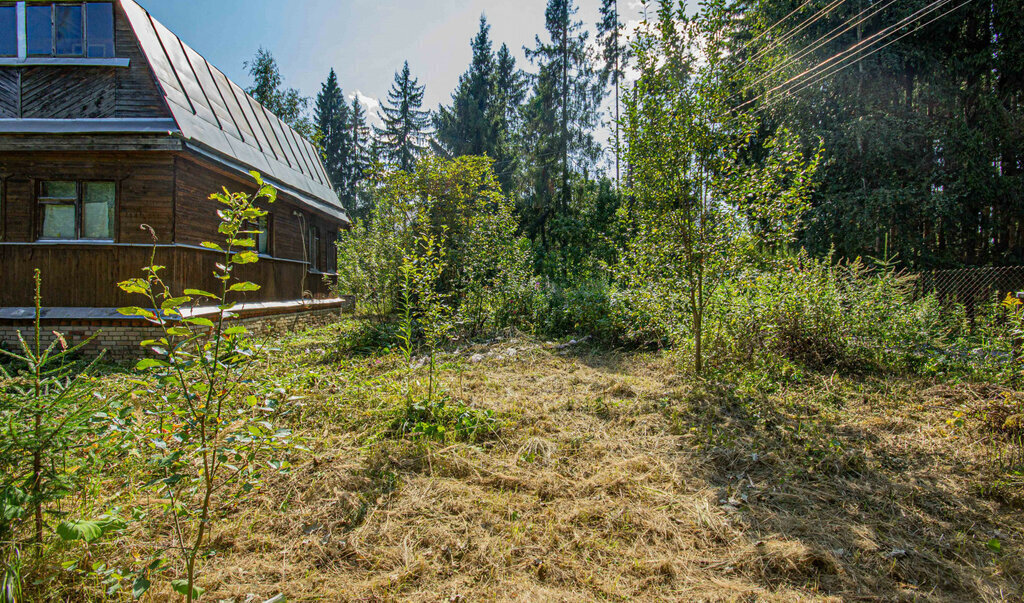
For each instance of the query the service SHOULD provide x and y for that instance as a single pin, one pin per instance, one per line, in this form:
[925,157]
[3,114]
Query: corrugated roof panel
[311,159]
[183,69]
[279,128]
[268,132]
[246,105]
[321,169]
[317,162]
[154,52]
[217,103]
[237,115]
[304,166]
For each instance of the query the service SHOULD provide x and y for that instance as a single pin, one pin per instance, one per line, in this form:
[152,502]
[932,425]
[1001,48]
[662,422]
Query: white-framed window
[62,29]
[72,210]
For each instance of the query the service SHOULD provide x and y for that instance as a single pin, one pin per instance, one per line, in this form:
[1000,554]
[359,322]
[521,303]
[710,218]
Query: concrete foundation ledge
[120,335]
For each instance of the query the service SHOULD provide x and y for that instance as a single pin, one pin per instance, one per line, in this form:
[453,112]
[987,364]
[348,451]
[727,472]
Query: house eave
[88,126]
[318,205]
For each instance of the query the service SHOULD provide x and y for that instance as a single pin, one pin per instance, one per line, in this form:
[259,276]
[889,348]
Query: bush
[819,314]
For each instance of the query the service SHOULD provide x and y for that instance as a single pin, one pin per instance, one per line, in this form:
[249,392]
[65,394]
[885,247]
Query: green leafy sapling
[208,436]
[435,311]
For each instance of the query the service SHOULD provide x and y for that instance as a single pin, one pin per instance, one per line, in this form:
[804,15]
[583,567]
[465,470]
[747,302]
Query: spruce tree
[361,158]
[465,128]
[509,94]
[332,119]
[561,118]
[403,137]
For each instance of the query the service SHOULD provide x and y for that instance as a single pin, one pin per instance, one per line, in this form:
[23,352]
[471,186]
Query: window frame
[314,248]
[78,202]
[262,231]
[333,238]
[83,6]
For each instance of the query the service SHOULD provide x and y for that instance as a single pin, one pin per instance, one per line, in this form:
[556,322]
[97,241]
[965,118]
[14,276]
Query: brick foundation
[121,337]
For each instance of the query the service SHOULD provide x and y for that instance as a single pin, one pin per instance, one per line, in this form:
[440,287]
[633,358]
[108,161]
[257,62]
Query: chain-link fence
[972,287]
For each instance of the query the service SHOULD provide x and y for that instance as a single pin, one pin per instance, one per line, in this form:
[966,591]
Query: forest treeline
[921,126]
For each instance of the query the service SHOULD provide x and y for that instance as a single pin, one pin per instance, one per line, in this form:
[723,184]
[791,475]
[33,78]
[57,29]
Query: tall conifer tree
[404,135]
[561,116]
[332,119]
[466,128]
[506,119]
[615,53]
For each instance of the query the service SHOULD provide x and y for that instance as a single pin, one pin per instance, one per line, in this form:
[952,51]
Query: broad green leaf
[174,303]
[209,245]
[136,311]
[200,322]
[88,531]
[245,257]
[244,287]
[181,587]
[140,587]
[200,293]
[150,363]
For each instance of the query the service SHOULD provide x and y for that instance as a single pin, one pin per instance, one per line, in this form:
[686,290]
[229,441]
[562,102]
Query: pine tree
[332,119]
[403,136]
[465,128]
[287,103]
[561,118]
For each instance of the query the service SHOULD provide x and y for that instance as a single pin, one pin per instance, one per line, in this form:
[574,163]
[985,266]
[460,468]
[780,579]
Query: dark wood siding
[86,276]
[196,214]
[138,94]
[54,92]
[68,92]
[18,214]
[145,191]
[10,90]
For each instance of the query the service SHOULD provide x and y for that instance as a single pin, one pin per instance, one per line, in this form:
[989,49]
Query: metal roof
[214,113]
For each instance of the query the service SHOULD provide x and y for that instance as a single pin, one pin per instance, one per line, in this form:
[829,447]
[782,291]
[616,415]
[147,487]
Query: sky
[365,41]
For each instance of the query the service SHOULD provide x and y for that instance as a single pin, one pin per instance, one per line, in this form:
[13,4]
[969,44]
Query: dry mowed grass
[613,477]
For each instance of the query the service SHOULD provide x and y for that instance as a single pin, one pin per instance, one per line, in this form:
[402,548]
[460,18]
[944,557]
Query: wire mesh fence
[972,288]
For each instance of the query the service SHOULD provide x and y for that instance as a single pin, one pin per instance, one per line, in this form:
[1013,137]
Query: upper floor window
[73,210]
[8,30]
[63,29]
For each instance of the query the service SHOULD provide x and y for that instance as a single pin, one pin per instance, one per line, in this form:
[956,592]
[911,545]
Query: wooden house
[108,122]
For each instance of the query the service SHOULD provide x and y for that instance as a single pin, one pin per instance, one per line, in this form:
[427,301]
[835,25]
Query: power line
[842,56]
[792,33]
[789,93]
[825,39]
[776,24]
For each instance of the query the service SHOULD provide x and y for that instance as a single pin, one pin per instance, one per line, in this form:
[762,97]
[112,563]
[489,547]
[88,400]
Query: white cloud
[372,106]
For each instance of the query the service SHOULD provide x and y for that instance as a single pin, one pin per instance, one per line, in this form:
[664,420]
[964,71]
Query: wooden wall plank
[146,188]
[68,92]
[86,276]
[138,94]
[10,92]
